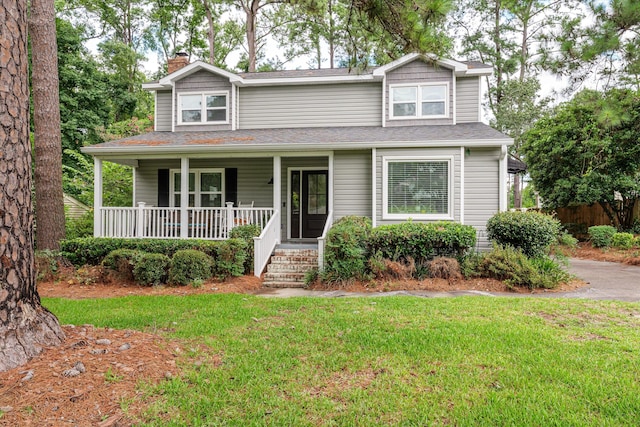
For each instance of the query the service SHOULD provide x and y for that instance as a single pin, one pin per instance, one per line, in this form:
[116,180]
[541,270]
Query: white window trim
[203,108]
[418,87]
[197,191]
[385,188]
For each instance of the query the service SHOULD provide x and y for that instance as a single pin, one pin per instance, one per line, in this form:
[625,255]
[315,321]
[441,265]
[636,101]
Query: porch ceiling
[316,138]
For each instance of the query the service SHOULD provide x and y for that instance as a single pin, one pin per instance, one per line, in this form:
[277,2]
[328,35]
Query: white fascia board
[159,151]
[195,67]
[484,71]
[154,86]
[291,81]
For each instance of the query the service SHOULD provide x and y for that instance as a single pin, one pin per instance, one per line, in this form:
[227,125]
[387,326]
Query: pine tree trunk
[46,122]
[25,326]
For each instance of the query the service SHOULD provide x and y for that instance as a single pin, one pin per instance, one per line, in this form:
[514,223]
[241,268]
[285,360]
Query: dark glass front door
[309,203]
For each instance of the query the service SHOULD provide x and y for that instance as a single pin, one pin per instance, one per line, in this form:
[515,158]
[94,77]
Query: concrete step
[274,284]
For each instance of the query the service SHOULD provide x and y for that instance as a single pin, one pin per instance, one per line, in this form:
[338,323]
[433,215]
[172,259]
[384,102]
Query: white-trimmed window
[206,188]
[417,187]
[419,101]
[199,108]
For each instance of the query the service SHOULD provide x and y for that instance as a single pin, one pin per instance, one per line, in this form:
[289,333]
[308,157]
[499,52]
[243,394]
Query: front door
[309,203]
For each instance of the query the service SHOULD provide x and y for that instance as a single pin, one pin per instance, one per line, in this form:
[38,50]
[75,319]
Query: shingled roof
[335,138]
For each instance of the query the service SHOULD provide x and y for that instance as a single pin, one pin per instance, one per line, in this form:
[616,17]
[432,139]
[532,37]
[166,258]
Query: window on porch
[206,188]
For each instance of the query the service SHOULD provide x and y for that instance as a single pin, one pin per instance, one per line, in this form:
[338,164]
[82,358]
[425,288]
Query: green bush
[532,232]
[151,269]
[188,265]
[346,249]
[516,269]
[247,233]
[636,242]
[422,241]
[79,227]
[622,240]
[230,256]
[123,261]
[92,250]
[566,239]
[601,235]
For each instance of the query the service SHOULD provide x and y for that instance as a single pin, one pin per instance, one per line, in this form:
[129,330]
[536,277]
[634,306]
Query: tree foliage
[587,152]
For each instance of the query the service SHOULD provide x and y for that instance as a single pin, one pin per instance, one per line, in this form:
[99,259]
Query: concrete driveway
[606,280]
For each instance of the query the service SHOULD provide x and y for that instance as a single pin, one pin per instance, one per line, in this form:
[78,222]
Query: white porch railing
[264,245]
[201,223]
[323,239]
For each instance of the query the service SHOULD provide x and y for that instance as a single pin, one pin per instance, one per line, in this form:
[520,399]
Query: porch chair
[244,217]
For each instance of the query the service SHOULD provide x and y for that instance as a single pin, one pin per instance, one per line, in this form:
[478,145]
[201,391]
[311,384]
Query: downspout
[503,178]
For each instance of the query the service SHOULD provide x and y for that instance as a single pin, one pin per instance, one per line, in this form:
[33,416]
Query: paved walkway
[606,280]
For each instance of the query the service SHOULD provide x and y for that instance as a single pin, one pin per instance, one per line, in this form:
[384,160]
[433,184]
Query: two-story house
[294,151]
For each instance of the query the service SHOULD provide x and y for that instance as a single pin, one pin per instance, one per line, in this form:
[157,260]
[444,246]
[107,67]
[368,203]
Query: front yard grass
[387,361]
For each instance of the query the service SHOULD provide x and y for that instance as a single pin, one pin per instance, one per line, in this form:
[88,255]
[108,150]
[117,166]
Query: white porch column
[374,189]
[184,197]
[97,197]
[330,184]
[277,189]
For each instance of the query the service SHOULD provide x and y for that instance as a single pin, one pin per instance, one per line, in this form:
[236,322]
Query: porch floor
[297,245]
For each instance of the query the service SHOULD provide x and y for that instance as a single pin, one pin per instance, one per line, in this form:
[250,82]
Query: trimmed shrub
[622,240]
[151,269]
[346,250]
[532,232]
[601,235]
[566,239]
[92,250]
[422,241]
[123,261]
[247,233]
[230,256]
[188,265]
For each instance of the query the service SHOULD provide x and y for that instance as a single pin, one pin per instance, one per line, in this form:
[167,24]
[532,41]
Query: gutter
[287,148]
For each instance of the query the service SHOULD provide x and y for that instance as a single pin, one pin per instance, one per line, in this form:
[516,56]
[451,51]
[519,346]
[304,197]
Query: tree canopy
[587,152]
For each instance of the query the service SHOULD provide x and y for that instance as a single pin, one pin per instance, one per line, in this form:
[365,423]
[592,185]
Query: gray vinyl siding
[467,99]
[346,104]
[352,183]
[481,189]
[203,81]
[253,178]
[163,111]
[295,163]
[419,152]
[419,72]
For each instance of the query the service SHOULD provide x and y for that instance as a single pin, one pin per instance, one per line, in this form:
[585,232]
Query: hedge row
[228,256]
[352,243]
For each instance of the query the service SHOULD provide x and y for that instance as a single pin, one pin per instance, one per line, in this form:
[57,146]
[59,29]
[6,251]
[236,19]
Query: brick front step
[289,266]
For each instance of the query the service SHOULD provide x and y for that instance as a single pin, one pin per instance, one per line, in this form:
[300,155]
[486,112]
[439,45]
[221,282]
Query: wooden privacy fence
[578,219]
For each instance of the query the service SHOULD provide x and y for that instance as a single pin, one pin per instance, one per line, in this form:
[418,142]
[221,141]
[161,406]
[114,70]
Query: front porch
[222,193]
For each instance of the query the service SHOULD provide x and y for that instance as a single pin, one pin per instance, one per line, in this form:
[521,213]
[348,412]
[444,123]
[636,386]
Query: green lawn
[389,361]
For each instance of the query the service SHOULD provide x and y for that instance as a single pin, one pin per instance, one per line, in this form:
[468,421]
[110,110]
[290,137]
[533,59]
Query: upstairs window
[425,101]
[202,108]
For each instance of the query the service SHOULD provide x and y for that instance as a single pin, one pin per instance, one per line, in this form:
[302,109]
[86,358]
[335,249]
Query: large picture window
[201,108]
[426,101]
[206,188]
[419,188]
